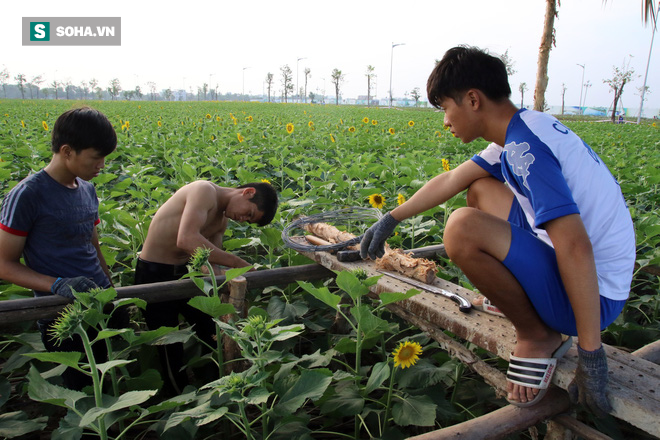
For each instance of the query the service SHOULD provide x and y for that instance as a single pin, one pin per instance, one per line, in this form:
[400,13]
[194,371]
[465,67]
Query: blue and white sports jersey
[553,173]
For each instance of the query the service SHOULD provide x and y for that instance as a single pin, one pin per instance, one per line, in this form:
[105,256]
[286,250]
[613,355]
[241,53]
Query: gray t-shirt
[58,223]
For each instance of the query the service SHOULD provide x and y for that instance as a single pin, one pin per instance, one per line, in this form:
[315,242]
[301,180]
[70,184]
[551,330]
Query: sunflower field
[319,370]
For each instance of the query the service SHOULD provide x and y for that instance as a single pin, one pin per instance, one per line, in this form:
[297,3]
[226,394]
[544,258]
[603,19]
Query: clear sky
[234,44]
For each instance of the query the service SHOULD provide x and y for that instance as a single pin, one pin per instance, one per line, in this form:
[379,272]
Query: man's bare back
[197,216]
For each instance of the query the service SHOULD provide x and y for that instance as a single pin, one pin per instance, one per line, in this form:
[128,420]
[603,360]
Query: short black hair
[463,68]
[83,128]
[266,200]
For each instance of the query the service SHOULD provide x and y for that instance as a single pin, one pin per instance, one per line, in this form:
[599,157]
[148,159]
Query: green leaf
[106,334]
[43,391]
[391,297]
[349,283]
[16,423]
[347,401]
[235,243]
[126,400]
[5,390]
[68,358]
[236,272]
[322,294]
[106,366]
[212,306]
[414,410]
[379,374]
[370,324]
[310,385]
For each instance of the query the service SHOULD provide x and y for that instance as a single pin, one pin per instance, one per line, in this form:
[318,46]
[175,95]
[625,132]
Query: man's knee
[459,229]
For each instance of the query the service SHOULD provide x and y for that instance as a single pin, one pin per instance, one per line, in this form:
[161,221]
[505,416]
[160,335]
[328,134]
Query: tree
[370,76]
[4,76]
[563,92]
[138,92]
[547,41]
[152,90]
[114,88]
[307,75]
[269,83]
[508,63]
[416,95]
[20,82]
[168,94]
[337,79]
[618,82]
[68,88]
[287,81]
[93,85]
[55,85]
[523,88]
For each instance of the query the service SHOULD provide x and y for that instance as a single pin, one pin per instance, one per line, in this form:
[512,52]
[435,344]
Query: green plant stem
[388,402]
[459,373]
[98,396]
[246,421]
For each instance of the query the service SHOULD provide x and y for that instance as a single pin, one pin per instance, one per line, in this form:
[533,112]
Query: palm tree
[548,40]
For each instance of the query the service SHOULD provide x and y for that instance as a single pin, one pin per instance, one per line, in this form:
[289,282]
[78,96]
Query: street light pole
[391,62]
[581,86]
[586,89]
[303,58]
[243,91]
[641,103]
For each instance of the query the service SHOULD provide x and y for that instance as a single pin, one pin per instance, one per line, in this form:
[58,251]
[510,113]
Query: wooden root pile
[395,260]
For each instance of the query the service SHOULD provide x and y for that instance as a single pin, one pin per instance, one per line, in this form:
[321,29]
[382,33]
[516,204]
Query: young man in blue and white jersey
[546,236]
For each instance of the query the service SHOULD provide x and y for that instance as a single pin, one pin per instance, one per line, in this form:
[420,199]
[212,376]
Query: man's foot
[530,364]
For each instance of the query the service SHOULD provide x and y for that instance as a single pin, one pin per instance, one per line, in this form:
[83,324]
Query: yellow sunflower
[208,116]
[310,124]
[445,165]
[351,129]
[365,120]
[289,128]
[217,118]
[401,199]
[411,123]
[23,123]
[240,138]
[160,124]
[391,130]
[407,354]
[265,181]
[249,119]
[44,125]
[332,138]
[374,122]
[377,200]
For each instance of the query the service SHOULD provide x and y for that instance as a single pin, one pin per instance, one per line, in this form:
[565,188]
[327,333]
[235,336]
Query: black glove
[590,383]
[373,242]
[65,286]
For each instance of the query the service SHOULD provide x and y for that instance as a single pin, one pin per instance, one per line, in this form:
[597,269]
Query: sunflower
[407,354]
[411,123]
[217,118]
[240,138]
[374,122]
[377,200]
[653,125]
[44,125]
[127,124]
[249,119]
[332,138]
[365,120]
[351,129]
[401,199]
[23,123]
[445,165]
[160,124]
[391,130]
[310,124]
[265,181]
[289,128]
[208,116]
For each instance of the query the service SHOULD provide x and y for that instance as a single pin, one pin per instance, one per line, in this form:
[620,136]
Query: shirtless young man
[197,215]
